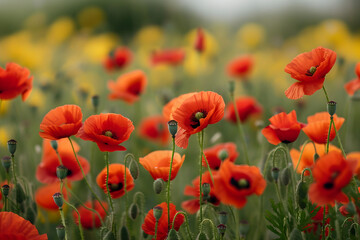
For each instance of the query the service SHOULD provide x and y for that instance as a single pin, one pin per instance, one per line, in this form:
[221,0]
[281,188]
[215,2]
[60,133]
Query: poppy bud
[172,125]
[134,169]
[133,211]
[331,107]
[58,199]
[157,211]
[301,194]
[223,217]
[221,228]
[158,185]
[173,235]
[244,228]
[6,162]
[316,156]
[5,190]
[12,146]
[275,173]
[350,208]
[60,231]
[231,87]
[54,144]
[223,154]
[124,233]
[145,235]
[20,194]
[202,236]
[61,172]
[285,176]
[295,234]
[95,101]
[200,40]
[206,190]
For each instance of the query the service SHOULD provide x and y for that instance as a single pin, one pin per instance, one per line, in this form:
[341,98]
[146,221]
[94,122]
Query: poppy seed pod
[221,228]
[6,162]
[223,217]
[301,194]
[12,146]
[5,190]
[275,173]
[61,172]
[244,228]
[223,154]
[60,231]
[331,108]
[173,235]
[58,199]
[157,212]
[285,176]
[133,211]
[134,169]
[158,185]
[173,127]
[54,144]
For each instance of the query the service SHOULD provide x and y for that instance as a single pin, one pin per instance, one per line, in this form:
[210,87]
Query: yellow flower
[60,30]
[96,48]
[196,64]
[211,45]
[91,17]
[36,99]
[4,107]
[161,76]
[150,37]
[250,36]
[4,136]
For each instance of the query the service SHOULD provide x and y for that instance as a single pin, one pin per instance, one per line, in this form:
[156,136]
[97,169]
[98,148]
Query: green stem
[337,225]
[186,223]
[323,223]
[339,140]
[328,137]
[301,153]
[13,168]
[5,204]
[80,226]
[208,166]
[169,181]
[107,181]
[279,195]
[211,224]
[87,183]
[156,227]
[326,95]
[201,144]
[63,221]
[125,191]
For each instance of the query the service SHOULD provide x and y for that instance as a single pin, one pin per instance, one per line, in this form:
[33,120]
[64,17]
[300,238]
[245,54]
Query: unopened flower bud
[61,172]
[316,157]
[301,194]
[134,169]
[285,176]
[173,235]
[275,173]
[331,108]
[206,188]
[95,101]
[157,211]
[60,231]
[20,194]
[12,146]
[6,162]
[244,228]
[173,127]
[223,154]
[58,199]
[221,228]
[133,211]
[223,217]
[5,190]
[54,144]
[158,185]
[124,233]
[200,40]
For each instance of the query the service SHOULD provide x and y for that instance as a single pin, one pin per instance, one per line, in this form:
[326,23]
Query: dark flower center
[329,185]
[115,187]
[195,118]
[240,184]
[311,71]
[69,172]
[109,134]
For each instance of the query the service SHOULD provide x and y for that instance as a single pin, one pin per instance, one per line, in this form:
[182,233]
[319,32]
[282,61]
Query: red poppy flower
[283,128]
[200,40]
[354,85]
[12,226]
[355,156]
[46,171]
[170,57]
[118,59]
[61,122]
[157,163]
[116,180]
[246,107]
[44,196]
[193,205]
[317,128]
[195,113]
[89,219]
[107,130]
[331,173]
[155,128]
[213,154]
[307,158]
[162,228]
[240,67]
[170,107]
[15,80]
[128,87]
[309,69]
[236,182]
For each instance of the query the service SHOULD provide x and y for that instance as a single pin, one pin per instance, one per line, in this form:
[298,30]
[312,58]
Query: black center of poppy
[329,185]
[196,116]
[213,200]
[135,88]
[115,187]
[69,172]
[240,184]
[311,71]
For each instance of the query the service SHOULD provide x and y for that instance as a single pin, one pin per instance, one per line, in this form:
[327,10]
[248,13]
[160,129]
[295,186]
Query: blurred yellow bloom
[250,36]
[4,107]
[161,76]
[52,216]
[60,30]
[210,43]
[36,99]
[85,87]
[149,36]
[4,136]
[91,17]
[96,48]
[196,64]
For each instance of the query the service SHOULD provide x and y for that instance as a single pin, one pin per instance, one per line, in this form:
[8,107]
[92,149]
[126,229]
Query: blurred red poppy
[199,44]
[332,172]
[236,182]
[107,130]
[46,170]
[155,128]
[240,67]
[355,156]
[317,128]
[162,227]
[157,163]
[116,180]
[193,205]
[118,59]
[15,80]
[89,219]
[44,196]
[246,107]
[354,85]
[213,154]
[14,227]
[283,128]
[128,87]
[310,69]
[170,56]
[195,113]
[61,122]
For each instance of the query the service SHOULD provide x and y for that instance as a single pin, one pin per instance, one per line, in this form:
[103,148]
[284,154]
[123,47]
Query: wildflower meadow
[156,131]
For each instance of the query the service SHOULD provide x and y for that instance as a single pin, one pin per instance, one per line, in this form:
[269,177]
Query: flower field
[163,133]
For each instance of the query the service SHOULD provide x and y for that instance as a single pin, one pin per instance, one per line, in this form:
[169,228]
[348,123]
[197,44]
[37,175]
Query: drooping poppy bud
[285,176]
[6,162]
[173,235]
[158,185]
[275,173]
[301,194]
[134,169]
[133,211]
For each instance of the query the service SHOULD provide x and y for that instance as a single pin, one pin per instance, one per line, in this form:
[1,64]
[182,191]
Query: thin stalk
[107,181]
[323,223]
[5,204]
[80,226]
[337,225]
[186,223]
[328,137]
[156,228]
[63,221]
[339,140]
[326,95]
[169,181]
[201,144]
[279,195]
[208,166]
[13,166]
[87,183]
[125,191]
[301,153]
